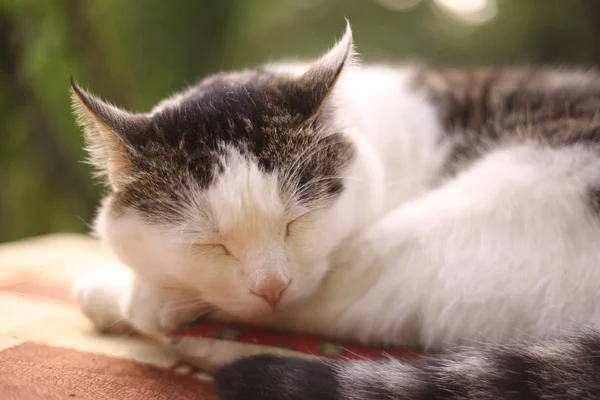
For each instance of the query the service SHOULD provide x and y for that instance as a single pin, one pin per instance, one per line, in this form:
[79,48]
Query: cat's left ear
[112,135]
[318,82]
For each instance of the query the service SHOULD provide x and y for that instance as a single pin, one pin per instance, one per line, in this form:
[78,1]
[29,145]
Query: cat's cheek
[305,282]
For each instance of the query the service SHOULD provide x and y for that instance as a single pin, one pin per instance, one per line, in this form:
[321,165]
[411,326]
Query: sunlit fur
[468,213]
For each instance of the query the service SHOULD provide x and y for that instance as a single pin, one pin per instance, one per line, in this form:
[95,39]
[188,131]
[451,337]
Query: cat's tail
[563,368]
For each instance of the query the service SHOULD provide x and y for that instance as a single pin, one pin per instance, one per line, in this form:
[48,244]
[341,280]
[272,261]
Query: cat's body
[403,206]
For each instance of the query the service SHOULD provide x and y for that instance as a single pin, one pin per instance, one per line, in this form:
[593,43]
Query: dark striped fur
[485,108]
[557,369]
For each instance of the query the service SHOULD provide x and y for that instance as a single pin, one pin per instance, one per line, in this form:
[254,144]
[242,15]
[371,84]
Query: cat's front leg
[119,300]
[100,296]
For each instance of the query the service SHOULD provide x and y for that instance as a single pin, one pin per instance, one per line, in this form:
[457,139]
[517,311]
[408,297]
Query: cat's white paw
[118,300]
[144,308]
[99,295]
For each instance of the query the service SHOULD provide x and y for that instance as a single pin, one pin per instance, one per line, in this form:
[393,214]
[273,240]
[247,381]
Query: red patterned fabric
[298,342]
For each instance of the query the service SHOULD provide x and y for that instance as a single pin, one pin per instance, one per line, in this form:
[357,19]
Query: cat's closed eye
[288,227]
[216,248]
[224,248]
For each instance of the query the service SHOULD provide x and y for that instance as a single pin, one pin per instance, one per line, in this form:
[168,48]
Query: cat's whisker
[187,299]
[185,307]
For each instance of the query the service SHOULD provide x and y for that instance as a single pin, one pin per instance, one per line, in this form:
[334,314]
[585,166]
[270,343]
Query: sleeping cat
[410,205]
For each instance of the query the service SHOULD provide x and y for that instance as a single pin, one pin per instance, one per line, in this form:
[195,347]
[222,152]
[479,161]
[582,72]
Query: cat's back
[472,98]
[482,98]
[432,122]
[483,109]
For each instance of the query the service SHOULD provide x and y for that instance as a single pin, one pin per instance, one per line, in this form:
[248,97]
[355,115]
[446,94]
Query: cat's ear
[110,134]
[321,77]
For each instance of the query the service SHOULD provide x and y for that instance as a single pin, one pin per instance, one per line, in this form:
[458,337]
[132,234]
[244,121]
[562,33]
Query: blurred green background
[136,52]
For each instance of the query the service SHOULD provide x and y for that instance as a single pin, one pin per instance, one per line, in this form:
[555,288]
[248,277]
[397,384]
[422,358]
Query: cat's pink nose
[271,291]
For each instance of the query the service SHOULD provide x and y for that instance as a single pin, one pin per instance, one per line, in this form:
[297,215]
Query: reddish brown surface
[303,343]
[33,371]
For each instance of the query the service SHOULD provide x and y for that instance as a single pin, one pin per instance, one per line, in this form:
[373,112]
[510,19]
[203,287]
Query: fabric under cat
[400,205]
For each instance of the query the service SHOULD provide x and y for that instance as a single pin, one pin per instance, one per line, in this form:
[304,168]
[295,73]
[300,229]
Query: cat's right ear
[110,134]
[318,82]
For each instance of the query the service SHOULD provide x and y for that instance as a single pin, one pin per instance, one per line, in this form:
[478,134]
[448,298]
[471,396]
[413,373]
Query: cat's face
[234,188]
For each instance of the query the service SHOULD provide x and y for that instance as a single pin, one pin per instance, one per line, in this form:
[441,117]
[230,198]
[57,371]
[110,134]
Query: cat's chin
[244,313]
[257,315]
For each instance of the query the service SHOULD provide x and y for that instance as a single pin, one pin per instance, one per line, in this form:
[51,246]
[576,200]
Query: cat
[398,205]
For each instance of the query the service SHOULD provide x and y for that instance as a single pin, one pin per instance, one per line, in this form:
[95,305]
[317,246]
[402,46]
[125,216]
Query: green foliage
[136,52]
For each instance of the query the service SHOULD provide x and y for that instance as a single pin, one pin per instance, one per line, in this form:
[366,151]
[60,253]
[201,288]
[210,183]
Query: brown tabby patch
[485,108]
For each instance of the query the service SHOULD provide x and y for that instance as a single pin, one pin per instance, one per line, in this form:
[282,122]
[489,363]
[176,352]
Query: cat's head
[234,187]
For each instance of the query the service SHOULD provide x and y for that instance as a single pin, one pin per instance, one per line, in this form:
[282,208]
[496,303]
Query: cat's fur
[402,206]
[565,368]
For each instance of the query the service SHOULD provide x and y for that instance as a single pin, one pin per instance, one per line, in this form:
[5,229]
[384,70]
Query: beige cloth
[36,276]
